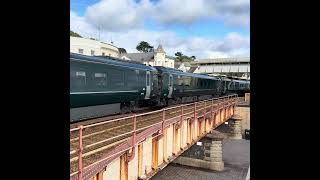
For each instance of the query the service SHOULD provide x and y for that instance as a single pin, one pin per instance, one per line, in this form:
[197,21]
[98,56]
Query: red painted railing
[226,101]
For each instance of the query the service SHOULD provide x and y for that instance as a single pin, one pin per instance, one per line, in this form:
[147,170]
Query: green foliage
[122,50]
[183,58]
[74,34]
[144,47]
[179,54]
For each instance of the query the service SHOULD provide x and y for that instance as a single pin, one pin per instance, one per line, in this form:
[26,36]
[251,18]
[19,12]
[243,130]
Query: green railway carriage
[102,86]
[180,87]
[235,86]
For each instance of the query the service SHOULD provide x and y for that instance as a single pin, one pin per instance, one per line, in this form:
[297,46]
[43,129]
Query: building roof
[159,49]
[109,61]
[179,72]
[94,41]
[192,69]
[222,60]
[177,64]
[140,57]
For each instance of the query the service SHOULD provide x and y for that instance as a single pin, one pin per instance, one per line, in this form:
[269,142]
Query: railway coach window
[100,79]
[117,79]
[180,81]
[78,78]
[132,78]
[187,81]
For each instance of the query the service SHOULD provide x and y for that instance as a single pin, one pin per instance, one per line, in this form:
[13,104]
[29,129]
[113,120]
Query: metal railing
[184,110]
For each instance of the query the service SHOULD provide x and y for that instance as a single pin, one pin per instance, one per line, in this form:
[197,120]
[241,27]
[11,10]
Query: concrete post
[235,125]
[213,152]
[212,158]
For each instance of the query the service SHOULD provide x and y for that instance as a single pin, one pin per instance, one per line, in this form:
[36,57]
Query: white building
[156,58]
[92,47]
[239,67]
[183,66]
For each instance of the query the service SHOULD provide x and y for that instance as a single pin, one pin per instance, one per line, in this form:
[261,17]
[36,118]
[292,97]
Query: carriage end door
[148,88]
[170,86]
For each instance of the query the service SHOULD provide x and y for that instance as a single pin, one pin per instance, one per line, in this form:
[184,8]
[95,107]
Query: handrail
[181,113]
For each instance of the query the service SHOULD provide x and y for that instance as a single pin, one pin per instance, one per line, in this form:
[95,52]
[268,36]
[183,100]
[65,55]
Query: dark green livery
[101,86]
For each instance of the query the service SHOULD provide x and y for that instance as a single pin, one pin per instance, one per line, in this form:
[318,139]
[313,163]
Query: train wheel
[125,108]
[171,102]
[179,100]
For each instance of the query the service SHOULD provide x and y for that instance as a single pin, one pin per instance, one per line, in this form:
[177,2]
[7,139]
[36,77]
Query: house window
[80,51]
[92,52]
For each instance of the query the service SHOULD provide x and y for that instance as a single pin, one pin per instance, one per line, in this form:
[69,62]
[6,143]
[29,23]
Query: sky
[201,28]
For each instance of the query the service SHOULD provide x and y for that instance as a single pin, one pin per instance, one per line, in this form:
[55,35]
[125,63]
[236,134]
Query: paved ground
[236,159]
[236,156]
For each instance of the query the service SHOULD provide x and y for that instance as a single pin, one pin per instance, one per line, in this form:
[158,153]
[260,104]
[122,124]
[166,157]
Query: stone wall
[244,112]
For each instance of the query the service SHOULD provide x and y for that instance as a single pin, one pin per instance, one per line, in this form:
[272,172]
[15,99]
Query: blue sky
[205,28]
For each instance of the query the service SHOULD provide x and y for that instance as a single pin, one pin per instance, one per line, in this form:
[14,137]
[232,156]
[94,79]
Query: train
[101,86]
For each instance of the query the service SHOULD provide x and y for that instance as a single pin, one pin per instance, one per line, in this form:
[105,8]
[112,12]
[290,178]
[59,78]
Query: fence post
[134,135]
[134,130]
[80,154]
[212,118]
[163,119]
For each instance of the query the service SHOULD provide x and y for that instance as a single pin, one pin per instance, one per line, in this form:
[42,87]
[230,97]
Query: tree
[74,34]
[151,49]
[183,58]
[122,50]
[179,56]
[144,47]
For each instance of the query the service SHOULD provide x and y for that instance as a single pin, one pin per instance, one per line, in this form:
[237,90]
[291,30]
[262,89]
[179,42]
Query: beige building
[92,47]
[156,58]
[237,67]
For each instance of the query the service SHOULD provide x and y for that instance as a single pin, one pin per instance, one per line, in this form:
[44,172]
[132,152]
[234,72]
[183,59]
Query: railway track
[101,135]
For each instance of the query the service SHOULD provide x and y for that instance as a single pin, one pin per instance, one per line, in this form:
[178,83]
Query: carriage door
[170,85]
[148,88]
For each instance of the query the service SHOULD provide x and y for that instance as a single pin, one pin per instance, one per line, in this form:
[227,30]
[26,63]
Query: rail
[181,111]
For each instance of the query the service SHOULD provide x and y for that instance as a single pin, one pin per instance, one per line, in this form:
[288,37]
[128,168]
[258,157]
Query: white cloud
[122,15]
[122,21]
[115,15]
[233,41]
[177,11]
[81,26]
